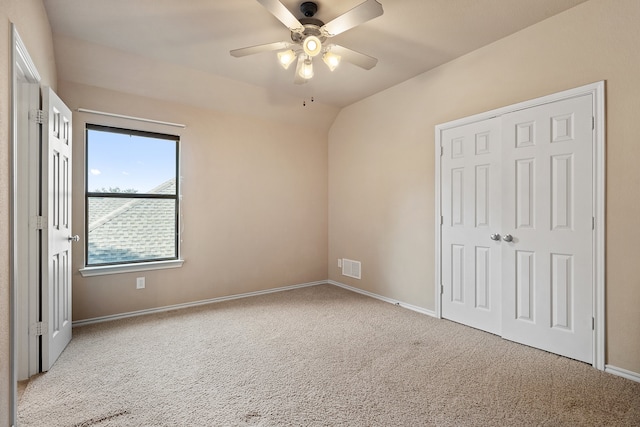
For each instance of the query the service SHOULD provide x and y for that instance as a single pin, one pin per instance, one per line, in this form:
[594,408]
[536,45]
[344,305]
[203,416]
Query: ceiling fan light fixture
[306,70]
[309,35]
[286,58]
[312,46]
[331,59]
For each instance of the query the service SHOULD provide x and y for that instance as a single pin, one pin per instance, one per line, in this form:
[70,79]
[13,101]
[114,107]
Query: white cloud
[125,173]
[95,172]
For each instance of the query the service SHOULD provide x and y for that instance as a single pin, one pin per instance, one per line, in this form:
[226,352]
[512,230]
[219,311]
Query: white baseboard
[192,304]
[385,299]
[246,295]
[630,375]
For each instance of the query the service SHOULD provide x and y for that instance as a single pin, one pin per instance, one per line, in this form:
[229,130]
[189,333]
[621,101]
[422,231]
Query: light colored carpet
[317,356]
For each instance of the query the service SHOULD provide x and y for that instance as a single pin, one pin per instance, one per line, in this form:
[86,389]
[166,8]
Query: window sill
[129,268]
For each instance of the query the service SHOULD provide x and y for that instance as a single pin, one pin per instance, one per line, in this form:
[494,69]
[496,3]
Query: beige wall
[254,206]
[381,155]
[255,192]
[32,24]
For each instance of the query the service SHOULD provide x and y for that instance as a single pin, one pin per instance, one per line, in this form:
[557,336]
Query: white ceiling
[411,37]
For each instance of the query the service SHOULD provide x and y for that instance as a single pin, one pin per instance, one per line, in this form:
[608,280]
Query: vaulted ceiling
[411,37]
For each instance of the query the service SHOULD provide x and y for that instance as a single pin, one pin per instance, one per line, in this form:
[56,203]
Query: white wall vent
[351,268]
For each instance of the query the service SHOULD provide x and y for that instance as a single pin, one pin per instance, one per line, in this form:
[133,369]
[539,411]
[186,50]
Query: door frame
[23,296]
[597,90]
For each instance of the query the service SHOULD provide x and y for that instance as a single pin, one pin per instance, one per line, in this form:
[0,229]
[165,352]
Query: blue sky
[128,162]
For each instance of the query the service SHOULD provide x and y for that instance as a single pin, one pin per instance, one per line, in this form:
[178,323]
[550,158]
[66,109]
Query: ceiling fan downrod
[308,9]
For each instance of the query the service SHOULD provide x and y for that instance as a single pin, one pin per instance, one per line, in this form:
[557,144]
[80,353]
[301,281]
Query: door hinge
[593,222]
[40,222]
[593,123]
[441,289]
[593,323]
[38,328]
[441,151]
[441,220]
[38,116]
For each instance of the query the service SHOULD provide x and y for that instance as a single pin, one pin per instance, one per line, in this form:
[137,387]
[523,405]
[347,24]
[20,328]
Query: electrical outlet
[140,283]
[339,262]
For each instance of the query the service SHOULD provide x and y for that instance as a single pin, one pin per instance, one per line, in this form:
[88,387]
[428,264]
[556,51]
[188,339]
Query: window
[131,196]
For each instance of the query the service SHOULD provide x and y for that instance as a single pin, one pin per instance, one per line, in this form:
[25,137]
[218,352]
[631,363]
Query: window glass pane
[121,163]
[128,230]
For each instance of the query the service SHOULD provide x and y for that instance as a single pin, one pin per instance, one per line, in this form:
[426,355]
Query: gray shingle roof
[132,229]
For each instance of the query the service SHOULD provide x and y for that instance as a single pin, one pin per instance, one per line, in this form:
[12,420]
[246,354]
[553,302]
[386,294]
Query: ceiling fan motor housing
[311,25]
[311,28]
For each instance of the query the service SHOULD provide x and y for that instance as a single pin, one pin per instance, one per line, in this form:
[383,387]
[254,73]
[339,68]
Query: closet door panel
[470,206]
[547,274]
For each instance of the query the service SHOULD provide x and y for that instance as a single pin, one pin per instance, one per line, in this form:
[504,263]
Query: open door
[56,235]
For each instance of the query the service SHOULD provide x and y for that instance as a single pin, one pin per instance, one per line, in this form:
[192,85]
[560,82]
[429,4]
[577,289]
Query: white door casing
[575,186]
[24,202]
[470,189]
[28,251]
[56,238]
[548,210]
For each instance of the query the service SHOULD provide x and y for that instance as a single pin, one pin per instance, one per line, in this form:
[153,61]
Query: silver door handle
[75,238]
[495,236]
[507,238]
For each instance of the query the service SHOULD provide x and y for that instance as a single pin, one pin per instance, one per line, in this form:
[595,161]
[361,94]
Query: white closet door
[470,179]
[547,201]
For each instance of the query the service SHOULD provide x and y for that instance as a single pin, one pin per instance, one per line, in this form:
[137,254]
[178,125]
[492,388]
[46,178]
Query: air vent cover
[351,268]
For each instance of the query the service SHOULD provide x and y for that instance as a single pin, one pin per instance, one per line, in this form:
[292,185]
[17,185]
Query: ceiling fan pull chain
[304,101]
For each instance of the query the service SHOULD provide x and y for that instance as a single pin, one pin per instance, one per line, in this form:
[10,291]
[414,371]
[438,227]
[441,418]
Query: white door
[56,237]
[547,277]
[470,206]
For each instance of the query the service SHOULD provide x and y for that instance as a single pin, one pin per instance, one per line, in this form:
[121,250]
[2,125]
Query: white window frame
[128,267]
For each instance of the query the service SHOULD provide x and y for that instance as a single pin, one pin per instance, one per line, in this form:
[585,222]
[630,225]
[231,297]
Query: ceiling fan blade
[251,50]
[356,58]
[358,15]
[298,79]
[283,14]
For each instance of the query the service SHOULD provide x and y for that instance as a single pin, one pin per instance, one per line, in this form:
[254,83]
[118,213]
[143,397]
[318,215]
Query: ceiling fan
[309,37]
